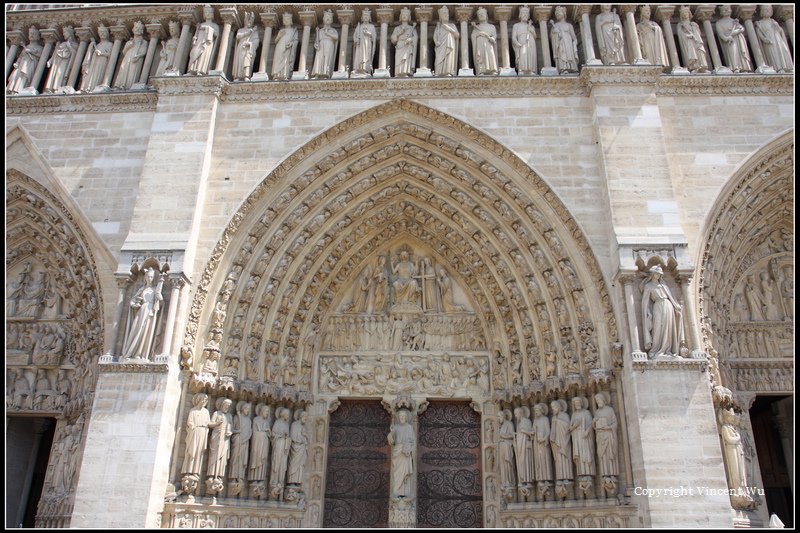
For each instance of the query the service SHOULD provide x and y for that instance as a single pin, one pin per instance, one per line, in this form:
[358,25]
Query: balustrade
[470,26]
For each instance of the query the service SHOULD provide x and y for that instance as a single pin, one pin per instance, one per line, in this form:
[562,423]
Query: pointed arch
[403,169]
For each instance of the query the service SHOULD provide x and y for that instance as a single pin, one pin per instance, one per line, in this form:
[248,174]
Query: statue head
[226,405]
[249,19]
[644,12]
[444,14]
[174,28]
[103,32]
[555,407]
[208,12]
[765,11]
[69,33]
[656,271]
[601,399]
[561,13]
[149,276]
[540,409]
[402,416]
[33,34]
[482,15]
[287,19]
[200,399]
[578,403]
[327,17]
[725,10]
[686,13]
[605,8]
[366,15]
[524,13]
[138,28]
[243,408]
[405,15]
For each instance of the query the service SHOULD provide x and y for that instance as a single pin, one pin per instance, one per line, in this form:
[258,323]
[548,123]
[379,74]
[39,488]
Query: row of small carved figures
[649,46]
[46,393]
[242,449]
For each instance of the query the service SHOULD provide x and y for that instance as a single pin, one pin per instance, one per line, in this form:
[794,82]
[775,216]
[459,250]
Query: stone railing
[119,48]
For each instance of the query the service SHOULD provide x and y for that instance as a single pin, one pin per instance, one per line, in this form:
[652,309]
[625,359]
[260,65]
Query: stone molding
[126,367]
[83,103]
[688,365]
[739,84]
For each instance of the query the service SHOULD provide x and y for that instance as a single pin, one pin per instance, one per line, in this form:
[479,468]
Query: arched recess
[399,172]
[746,272]
[55,316]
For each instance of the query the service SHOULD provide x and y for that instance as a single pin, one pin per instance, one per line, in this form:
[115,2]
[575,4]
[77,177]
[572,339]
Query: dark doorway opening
[28,443]
[767,415]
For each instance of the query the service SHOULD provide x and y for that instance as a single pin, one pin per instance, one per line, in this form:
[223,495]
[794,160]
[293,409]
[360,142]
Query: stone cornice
[131,367]
[739,84]
[60,17]
[82,103]
[189,85]
[687,365]
[620,75]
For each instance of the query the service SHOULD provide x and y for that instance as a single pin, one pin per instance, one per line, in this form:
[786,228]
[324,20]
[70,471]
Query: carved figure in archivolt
[281,444]
[404,37]
[610,36]
[364,38]
[773,41]
[168,64]
[298,453]
[651,38]
[663,323]
[505,449]
[325,46]
[403,442]
[240,441]
[25,65]
[733,41]
[259,444]
[130,67]
[580,427]
[523,40]
[61,62]
[95,61]
[565,43]
[221,426]
[285,49]
[247,41]
[691,41]
[484,44]
[605,428]
[523,451]
[143,318]
[203,44]
[445,40]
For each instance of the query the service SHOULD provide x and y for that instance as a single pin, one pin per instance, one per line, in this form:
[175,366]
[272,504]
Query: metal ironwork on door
[357,480]
[449,473]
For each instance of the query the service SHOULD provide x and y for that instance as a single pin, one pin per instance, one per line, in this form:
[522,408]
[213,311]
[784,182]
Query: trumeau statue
[691,41]
[773,41]
[141,329]
[325,46]
[168,62]
[364,39]
[733,41]
[25,65]
[445,40]
[61,62]
[95,61]
[285,49]
[610,36]
[564,43]
[523,40]
[203,44]
[663,322]
[651,38]
[404,37]
[403,442]
[247,41]
[130,68]
[484,44]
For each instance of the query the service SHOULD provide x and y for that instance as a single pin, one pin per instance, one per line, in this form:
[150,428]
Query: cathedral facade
[399,266]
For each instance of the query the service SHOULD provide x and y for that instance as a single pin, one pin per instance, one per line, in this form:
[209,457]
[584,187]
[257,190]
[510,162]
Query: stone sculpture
[735,461]
[405,286]
[285,49]
[651,39]
[580,427]
[564,43]
[663,321]
[404,37]
[141,330]
[542,459]
[281,444]
[203,44]
[259,444]
[196,442]
[773,41]
[484,45]
[364,39]
[691,41]
[130,68]
[610,36]
[755,301]
[221,425]
[298,452]
[445,40]
[240,441]
[325,46]
[168,61]
[605,430]
[25,65]
[523,451]
[244,56]
[523,40]
[403,442]
[61,62]
[560,445]
[733,41]
[505,450]
[95,61]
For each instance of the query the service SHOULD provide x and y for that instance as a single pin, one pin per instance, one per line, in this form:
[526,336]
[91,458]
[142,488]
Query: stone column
[187,17]
[786,14]
[580,15]
[664,14]
[423,15]
[17,40]
[85,35]
[269,19]
[542,14]
[176,283]
[463,15]
[628,279]
[123,282]
[691,316]
[50,37]
[345,17]
[704,13]
[307,19]
[155,31]
[633,35]
[230,18]
[745,12]
[120,33]
[503,15]
[384,15]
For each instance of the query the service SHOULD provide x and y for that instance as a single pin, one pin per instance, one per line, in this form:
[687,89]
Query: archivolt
[405,169]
